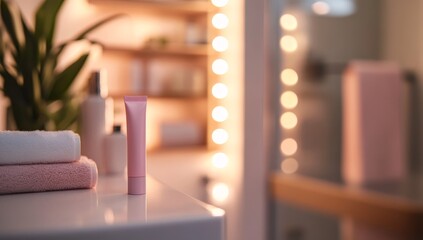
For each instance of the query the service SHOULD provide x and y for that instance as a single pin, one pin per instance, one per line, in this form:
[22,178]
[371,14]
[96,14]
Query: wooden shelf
[170,49]
[193,150]
[376,208]
[173,6]
[174,60]
[162,96]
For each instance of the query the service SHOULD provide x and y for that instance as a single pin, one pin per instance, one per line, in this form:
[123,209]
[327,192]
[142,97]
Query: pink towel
[373,137]
[47,177]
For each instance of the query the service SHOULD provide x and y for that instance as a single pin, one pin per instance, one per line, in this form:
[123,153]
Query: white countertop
[107,212]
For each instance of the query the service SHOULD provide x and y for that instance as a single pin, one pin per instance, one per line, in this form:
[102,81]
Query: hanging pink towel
[47,177]
[373,131]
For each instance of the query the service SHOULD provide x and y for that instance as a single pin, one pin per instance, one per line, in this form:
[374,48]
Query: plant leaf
[64,80]
[31,43]
[50,63]
[27,63]
[2,47]
[19,108]
[30,78]
[66,115]
[2,52]
[46,74]
[51,60]
[45,21]
[10,25]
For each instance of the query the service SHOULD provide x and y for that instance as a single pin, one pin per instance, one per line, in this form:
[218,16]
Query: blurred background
[246,106]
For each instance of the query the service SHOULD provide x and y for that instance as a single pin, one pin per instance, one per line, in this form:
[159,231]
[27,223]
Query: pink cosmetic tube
[135,107]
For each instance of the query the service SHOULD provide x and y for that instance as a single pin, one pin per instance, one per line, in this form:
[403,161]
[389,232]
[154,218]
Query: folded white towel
[21,147]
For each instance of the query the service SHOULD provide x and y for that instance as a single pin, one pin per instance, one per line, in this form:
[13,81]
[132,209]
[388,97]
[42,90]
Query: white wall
[403,43]
[401,34]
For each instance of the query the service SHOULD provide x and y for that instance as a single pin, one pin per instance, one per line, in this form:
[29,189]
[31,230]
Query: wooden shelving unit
[163,96]
[175,6]
[168,50]
[392,212]
[173,64]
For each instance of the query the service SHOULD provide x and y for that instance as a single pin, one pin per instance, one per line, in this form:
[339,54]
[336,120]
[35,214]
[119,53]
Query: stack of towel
[43,161]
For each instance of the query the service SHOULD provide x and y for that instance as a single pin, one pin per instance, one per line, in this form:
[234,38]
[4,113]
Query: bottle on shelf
[115,151]
[96,115]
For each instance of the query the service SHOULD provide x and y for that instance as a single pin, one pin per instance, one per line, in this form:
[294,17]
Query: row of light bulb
[288,98]
[220,191]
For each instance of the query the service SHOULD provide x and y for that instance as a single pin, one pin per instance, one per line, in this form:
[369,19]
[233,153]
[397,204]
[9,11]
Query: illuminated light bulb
[289,147]
[219,3]
[219,114]
[288,120]
[289,165]
[321,8]
[220,192]
[220,160]
[289,100]
[220,136]
[220,21]
[219,91]
[288,43]
[220,66]
[288,22]
[289,77]
[220,44]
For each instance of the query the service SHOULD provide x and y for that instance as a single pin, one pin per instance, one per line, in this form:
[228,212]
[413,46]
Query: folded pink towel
[27,147]
[47,177]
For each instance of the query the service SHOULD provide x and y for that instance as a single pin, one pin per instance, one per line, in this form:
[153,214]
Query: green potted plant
[39,93]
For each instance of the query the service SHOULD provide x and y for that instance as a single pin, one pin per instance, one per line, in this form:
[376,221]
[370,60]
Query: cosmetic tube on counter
[135,108]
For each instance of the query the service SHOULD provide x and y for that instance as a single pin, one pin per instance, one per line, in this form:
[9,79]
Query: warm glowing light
[217,212]
[220,160]
[219,114]
[220,44]
[289,77]
[220,136]
[289,100]
[109,216]
[288,43]
[321,8]
[219,91]
[288,120]
[104,87]
[220,66]
[289,165]
[220,21]
[288,22]
[219,3]
[289,147]
[220,192]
